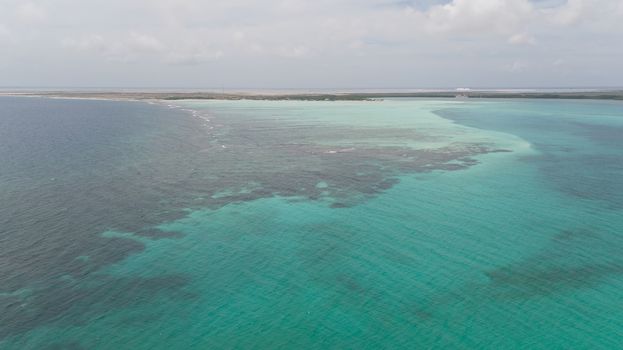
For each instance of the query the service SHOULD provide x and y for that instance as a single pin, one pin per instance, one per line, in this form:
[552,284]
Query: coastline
[615,95]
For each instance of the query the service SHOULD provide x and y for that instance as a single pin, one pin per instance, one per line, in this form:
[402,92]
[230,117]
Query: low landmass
[346,96]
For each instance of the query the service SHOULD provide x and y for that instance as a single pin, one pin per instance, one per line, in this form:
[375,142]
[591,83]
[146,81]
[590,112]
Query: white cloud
[29,12]
[479,16]
[144,43]
[193,57]
[293,51]
[126,49]
[517,66]
[571,12]
[91,42]
[522,39]
[4,32]
[138,46]
[376,35]
[296,28]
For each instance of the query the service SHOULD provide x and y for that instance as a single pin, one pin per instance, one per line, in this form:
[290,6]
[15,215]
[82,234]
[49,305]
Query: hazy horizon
[303,88]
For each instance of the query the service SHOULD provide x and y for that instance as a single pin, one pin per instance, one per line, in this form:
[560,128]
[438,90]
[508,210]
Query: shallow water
[257,224]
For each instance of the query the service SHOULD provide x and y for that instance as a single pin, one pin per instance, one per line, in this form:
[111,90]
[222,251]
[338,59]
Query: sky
[311,44]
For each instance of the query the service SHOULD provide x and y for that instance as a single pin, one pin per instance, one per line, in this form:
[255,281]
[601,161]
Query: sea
[395,224]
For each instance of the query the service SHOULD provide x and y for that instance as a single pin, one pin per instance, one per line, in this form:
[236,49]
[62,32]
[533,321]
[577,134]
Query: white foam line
[194,113]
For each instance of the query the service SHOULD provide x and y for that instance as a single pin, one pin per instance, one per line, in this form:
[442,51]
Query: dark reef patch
[77,169]
[351,284]
[577,258]
[155,233]
[570,261]
[62,298]
[570,235]
[338,205]
[515,282]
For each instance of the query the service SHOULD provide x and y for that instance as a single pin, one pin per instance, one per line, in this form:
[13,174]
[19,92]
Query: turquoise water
[252,224]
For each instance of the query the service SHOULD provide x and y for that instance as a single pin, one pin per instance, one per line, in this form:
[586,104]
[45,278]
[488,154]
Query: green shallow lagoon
[405,223]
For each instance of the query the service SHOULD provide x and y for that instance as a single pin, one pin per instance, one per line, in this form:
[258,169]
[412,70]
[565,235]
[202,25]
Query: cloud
[4,32]
[128,49]
[297,29]
[193,56]
[138,46]
[517,66]
[570,13]
[29,12]
[144,43]
[336,39]
[478,16]
[522,39]
[293,51]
